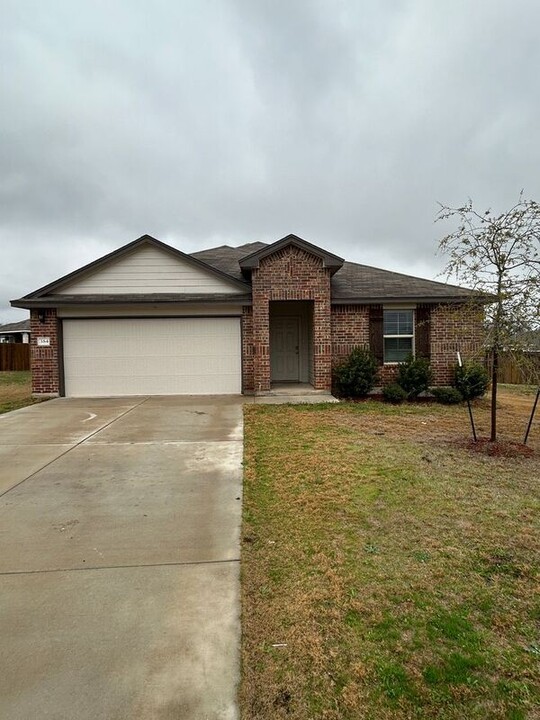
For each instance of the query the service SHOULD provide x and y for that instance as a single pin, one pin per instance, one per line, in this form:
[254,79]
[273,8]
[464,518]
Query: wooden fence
[14,356]
[522,369]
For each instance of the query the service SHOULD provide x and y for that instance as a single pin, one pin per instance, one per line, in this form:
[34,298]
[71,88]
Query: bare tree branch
[497,256]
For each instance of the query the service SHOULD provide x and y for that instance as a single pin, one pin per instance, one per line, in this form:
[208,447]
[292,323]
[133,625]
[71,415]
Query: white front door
[284,349]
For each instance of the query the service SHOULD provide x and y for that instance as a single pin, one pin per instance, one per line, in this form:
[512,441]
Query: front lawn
[387,570]
[15,390]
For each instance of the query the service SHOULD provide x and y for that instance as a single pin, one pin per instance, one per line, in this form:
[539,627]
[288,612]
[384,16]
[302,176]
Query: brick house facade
[296,309]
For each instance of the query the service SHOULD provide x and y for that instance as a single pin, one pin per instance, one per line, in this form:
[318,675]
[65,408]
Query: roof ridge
[15,325]
[217,247]
[229,247]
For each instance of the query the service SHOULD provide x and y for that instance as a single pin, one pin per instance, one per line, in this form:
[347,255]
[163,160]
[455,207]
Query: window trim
[397,308]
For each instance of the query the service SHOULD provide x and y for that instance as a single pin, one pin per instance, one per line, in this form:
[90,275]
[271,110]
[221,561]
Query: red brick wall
[387,374]
[291,274]
[44,361]
[350,329]
[453,328]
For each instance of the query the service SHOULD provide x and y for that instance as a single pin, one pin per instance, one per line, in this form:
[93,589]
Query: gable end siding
[148,270]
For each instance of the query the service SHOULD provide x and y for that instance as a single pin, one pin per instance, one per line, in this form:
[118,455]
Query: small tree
[498,256]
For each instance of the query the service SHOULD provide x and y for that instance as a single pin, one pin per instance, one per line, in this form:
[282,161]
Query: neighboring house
[18,332]
[148,319]
[528,341]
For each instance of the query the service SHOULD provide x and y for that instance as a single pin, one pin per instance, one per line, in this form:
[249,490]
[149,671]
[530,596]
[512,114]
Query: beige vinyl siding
[149,270]
[152,356]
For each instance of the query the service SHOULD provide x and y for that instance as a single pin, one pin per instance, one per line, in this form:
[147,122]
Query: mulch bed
[500,448]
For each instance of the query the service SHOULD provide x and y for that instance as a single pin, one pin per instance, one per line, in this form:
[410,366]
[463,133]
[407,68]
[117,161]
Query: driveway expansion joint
[229,561]
[165,442]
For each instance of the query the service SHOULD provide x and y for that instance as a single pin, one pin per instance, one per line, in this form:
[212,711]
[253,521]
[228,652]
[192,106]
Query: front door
[284,349]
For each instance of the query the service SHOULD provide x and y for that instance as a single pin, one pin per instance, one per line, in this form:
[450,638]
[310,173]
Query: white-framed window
[398,334]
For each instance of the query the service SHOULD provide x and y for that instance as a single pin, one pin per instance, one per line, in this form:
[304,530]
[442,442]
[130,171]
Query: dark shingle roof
[227,259]
[22,326]
[351,282]
[369,283]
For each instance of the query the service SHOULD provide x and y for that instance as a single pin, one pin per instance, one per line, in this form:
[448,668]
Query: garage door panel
[141,370]
[103,366]
[155,356]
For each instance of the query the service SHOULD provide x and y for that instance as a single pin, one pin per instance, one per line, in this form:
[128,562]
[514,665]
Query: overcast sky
[207,122]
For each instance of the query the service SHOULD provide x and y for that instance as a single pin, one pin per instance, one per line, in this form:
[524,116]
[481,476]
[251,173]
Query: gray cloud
[210,122]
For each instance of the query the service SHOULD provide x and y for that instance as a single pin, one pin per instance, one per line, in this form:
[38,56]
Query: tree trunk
[494,380]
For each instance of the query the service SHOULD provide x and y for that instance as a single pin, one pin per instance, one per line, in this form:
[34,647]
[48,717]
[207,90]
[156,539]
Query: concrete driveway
[119,562]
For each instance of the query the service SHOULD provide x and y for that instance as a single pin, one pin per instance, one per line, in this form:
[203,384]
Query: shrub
[414,376]
[357,374]
[471,380]
[447,395]
[394,393]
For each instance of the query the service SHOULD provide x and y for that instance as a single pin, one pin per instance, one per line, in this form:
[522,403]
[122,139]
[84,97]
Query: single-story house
[18,332]
[149,319]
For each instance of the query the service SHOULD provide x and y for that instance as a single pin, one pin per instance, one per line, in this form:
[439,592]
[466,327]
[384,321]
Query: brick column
[322,344]
[44,361]
[248,382]
[261,337]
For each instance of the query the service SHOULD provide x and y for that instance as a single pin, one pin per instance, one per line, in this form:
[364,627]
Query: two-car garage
[151,356]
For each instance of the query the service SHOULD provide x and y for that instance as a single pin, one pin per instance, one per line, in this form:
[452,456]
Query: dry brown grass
[388,571]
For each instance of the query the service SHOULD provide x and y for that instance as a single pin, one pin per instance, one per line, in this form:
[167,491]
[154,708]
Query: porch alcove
[291,343]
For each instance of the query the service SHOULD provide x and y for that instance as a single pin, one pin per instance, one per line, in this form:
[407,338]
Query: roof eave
[359,300]
[56,301]
[251,261]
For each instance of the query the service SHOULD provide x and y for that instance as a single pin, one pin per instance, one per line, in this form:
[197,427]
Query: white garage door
[152,356]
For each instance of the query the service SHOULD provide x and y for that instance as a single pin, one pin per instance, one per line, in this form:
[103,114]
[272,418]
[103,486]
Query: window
[398,335]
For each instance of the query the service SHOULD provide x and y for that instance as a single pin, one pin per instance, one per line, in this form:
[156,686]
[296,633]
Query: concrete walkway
[119,570]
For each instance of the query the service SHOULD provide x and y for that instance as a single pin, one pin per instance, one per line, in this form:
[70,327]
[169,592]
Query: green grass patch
[15,390]
[518,389]
[17,378]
